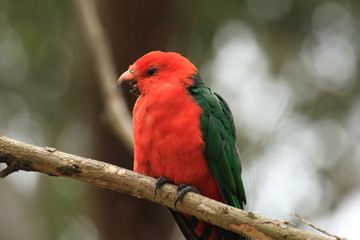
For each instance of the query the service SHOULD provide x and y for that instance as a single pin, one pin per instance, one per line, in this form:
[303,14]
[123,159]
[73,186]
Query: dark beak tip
[118,83]
[122,80]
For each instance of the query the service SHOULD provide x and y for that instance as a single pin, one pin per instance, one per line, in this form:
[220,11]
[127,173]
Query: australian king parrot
[184,133]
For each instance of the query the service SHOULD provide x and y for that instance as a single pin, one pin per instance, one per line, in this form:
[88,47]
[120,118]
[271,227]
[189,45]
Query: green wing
[218,130]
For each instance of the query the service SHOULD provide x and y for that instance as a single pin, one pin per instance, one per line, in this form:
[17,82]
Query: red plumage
[168,138]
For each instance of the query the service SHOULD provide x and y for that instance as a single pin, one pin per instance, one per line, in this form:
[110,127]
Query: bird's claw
[160,182]
[181,187]
[183,190]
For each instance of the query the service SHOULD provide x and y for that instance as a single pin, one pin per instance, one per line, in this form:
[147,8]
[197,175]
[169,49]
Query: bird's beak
[126,77]
[129,76]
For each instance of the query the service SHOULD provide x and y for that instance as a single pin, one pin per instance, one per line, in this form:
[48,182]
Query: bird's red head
[156,68]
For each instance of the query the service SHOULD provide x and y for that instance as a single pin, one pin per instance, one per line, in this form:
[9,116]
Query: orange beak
[126,77]
[129,77]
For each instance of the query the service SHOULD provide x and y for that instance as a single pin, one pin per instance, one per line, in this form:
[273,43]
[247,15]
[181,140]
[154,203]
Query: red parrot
[184,134]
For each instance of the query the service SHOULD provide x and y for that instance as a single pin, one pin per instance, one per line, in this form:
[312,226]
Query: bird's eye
[151,71]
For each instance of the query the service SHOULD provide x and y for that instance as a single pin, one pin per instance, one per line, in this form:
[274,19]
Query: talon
[183,190]
[160,182]
[181,187]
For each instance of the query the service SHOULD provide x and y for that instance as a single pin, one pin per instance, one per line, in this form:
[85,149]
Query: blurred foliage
[39,105]
[289,70]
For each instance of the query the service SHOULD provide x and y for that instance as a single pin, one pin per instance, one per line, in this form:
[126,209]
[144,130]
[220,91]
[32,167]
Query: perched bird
[184,133]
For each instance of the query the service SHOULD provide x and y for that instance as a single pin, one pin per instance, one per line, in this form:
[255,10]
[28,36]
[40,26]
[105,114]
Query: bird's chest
[157,118]
[167,135]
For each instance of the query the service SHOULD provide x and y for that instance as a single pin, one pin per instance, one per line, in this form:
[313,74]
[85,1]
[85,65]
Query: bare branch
[116,111]
[317,228]
[21,156]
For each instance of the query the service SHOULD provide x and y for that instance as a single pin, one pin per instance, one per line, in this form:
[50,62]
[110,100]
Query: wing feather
[218,130]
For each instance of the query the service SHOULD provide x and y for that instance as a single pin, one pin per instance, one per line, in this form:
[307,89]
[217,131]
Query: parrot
[184,134]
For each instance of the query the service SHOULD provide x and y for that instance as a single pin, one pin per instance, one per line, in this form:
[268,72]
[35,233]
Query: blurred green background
[288,69]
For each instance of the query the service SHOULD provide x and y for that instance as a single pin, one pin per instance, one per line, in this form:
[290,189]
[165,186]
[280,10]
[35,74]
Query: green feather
[217,125]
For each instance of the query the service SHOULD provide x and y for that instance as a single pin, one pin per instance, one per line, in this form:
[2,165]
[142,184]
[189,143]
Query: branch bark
[20,156]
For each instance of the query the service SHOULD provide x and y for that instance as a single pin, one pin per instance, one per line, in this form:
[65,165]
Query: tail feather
[194,229]
[186,226]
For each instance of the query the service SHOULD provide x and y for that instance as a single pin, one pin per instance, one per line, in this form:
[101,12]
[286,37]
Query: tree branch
[116,112]
[21,156]
[317,228]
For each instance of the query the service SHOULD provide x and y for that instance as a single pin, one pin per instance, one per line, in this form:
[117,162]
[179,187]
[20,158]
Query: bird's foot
[160,182]
[182,190]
